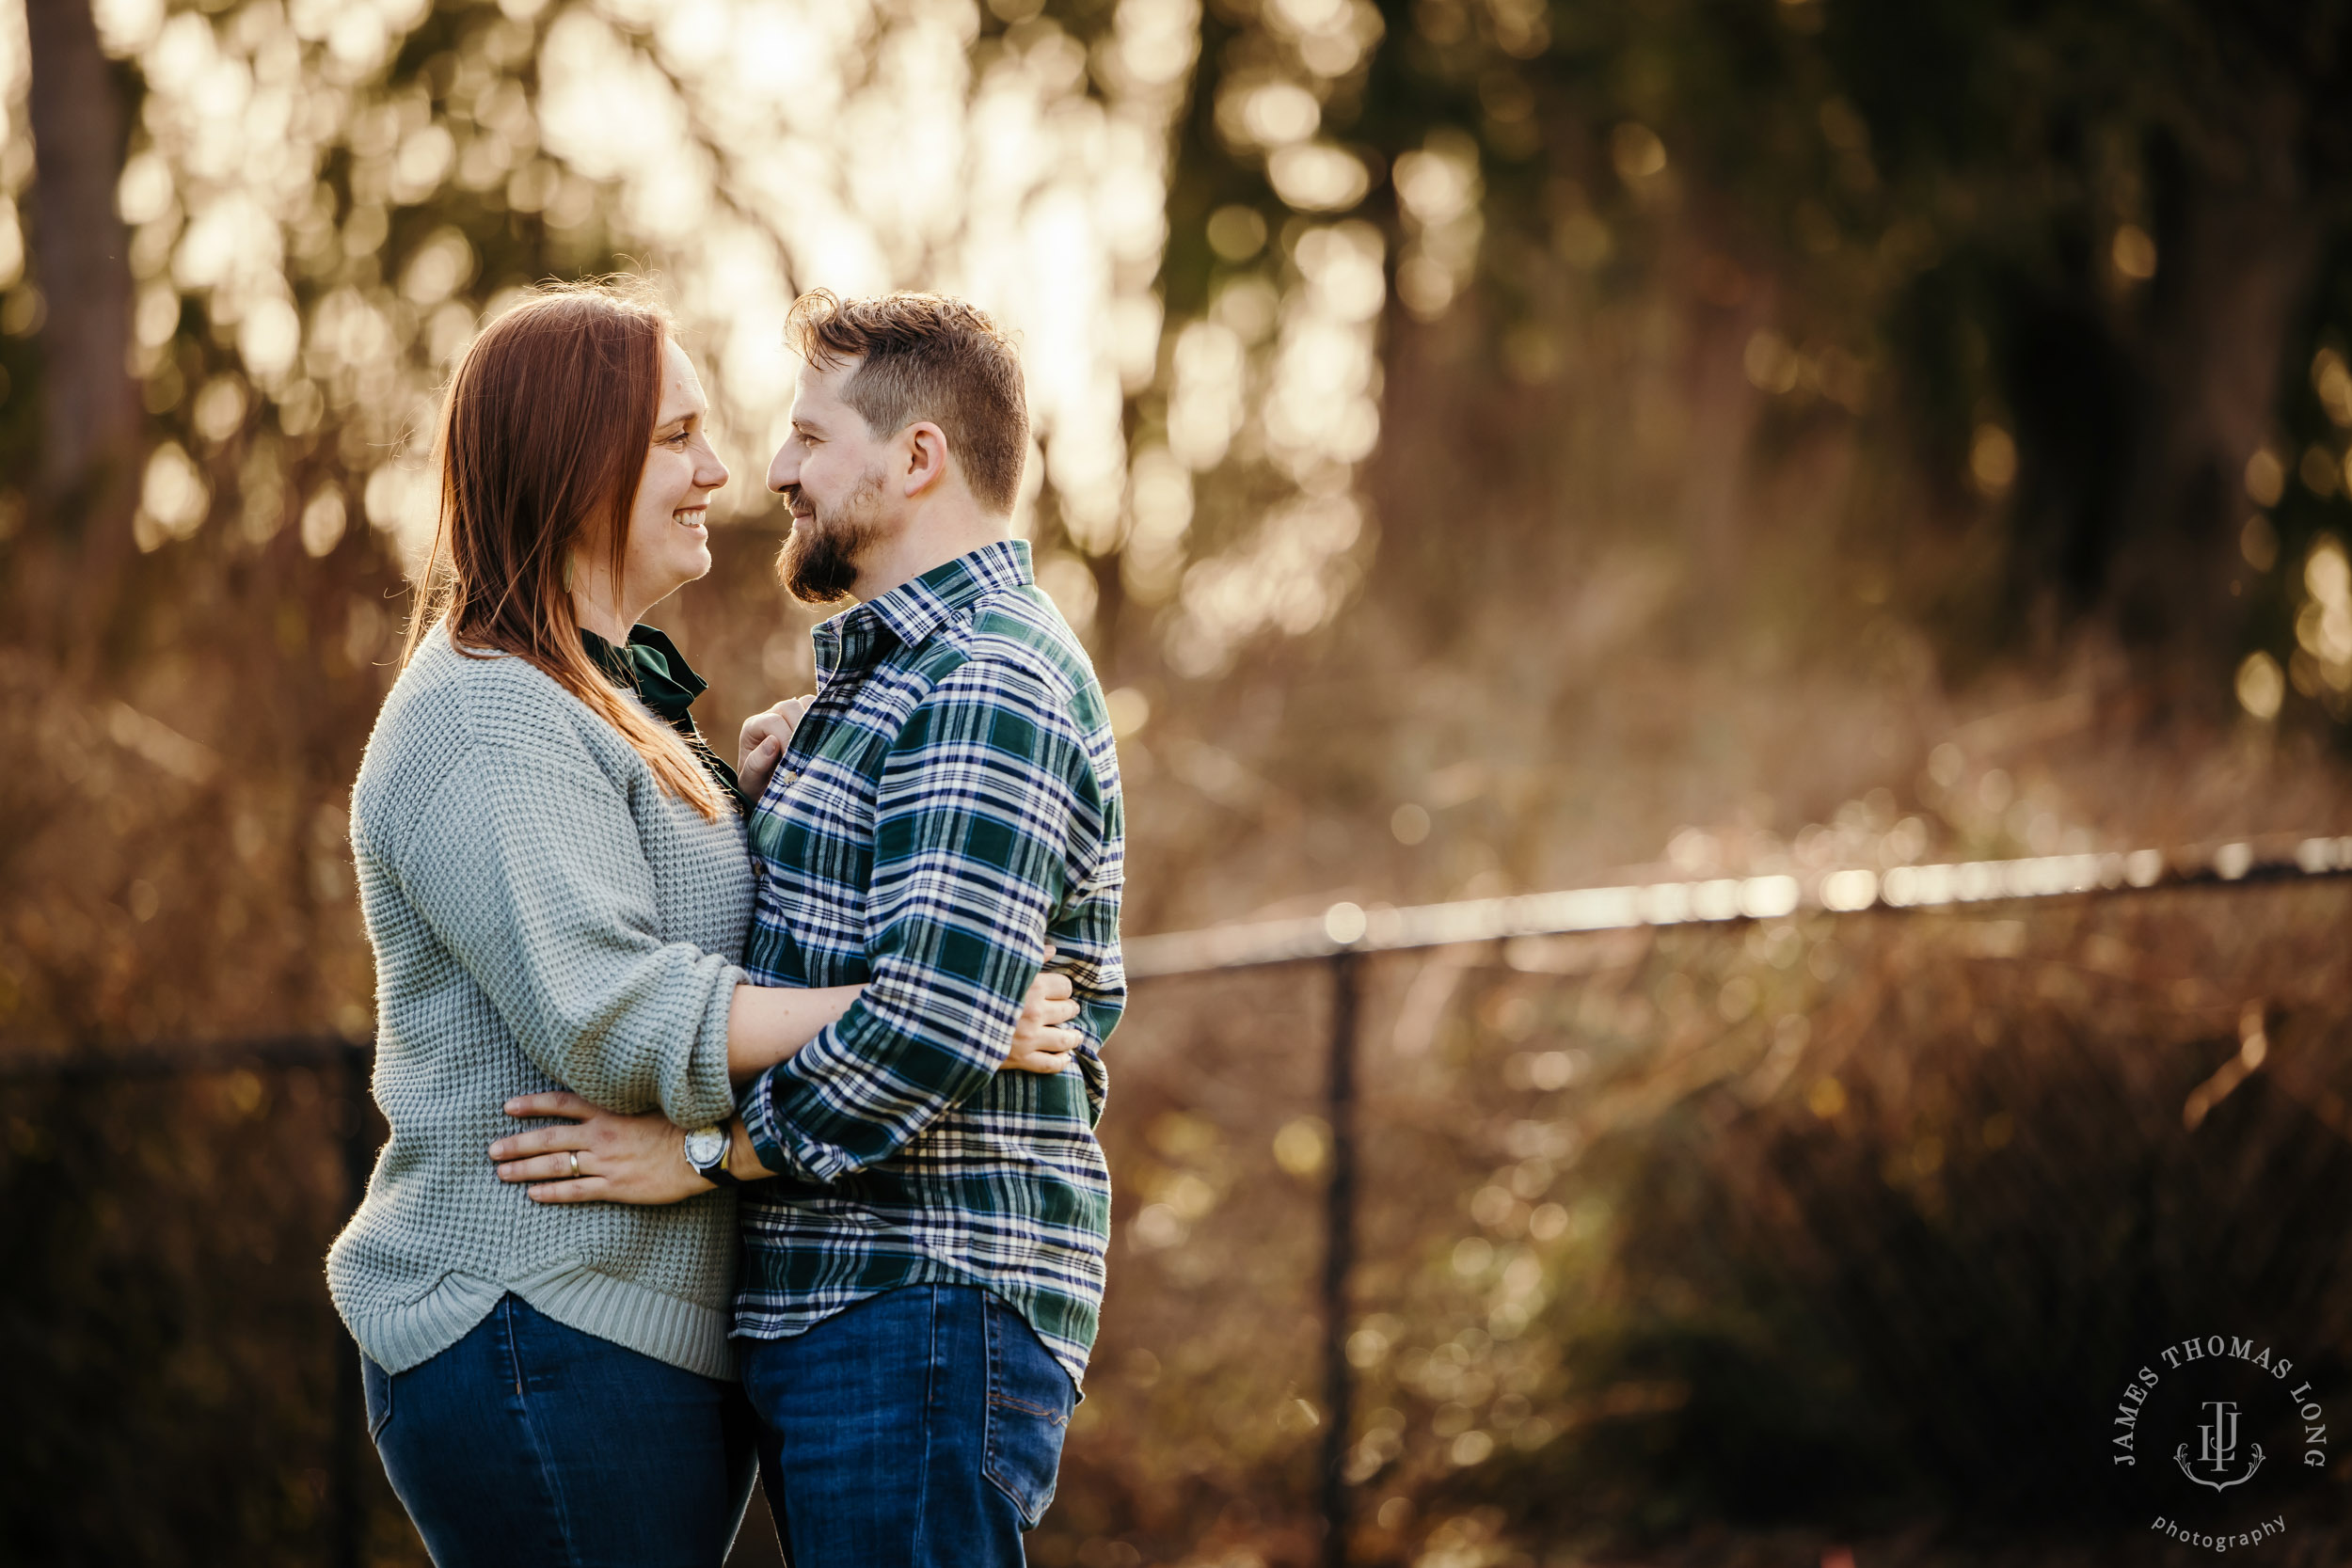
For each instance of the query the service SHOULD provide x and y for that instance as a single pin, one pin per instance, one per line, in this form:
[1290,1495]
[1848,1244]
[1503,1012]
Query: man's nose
[785,470]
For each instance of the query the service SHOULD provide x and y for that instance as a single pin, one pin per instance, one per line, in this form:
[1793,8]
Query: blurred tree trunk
[1723,410]
[89,443]
[2231,292]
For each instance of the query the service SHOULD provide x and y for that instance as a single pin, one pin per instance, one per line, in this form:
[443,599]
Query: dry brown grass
[1839,1225]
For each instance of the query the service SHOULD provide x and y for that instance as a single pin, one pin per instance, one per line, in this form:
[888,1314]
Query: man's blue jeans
[530,1445]
[921,1426]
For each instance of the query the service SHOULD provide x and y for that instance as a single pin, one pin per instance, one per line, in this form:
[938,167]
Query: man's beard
[819,560]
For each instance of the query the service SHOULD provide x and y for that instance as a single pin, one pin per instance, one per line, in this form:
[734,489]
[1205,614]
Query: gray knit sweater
[543,917]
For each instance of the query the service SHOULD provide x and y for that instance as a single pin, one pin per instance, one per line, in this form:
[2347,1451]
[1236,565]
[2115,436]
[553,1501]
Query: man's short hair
[927,357]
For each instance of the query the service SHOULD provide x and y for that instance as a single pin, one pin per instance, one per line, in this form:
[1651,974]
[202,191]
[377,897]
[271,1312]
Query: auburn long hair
[542,444]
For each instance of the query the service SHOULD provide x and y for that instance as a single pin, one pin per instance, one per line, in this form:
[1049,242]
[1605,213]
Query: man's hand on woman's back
[1040,1043]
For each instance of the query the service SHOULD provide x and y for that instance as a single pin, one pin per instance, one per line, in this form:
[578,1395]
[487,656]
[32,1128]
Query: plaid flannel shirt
[949,806]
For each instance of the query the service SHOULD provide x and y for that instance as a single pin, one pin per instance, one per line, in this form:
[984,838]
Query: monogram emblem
[2216,1450]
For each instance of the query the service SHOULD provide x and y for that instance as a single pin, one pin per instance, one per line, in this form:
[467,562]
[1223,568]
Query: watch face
[704,1146]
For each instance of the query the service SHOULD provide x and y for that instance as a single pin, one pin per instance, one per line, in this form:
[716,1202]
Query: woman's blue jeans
[921,1427]
[530,1445]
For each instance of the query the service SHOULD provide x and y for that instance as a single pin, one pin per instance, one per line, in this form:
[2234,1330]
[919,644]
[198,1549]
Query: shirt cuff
[757,1107]
[783,1147]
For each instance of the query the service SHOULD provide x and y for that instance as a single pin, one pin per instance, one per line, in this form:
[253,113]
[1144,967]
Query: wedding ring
[575,1154]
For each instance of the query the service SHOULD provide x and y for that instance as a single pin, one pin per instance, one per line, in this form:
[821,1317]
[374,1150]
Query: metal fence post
[347,1512]
[1337,1258]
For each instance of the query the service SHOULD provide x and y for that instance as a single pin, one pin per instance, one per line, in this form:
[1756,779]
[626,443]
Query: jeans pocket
[377,1383]
[1029,1400]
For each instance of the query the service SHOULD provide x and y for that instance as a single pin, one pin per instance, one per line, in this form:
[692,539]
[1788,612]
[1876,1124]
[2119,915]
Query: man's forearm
[902,1057]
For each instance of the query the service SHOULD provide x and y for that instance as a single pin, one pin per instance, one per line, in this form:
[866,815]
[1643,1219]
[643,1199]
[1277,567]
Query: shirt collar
[915,610]
[651,666]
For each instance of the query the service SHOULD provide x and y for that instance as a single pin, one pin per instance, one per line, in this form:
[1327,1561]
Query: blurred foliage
[1811,1233]
[2063,275]
[172,1374]
[1817,1230]
[260,605]
[1487,446]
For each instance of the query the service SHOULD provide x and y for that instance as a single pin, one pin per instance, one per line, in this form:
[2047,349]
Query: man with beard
[921,1281]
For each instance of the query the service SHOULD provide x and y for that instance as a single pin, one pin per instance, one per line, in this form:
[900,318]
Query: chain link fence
[1479,1233]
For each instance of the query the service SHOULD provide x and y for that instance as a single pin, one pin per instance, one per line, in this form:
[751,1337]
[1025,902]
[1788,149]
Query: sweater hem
[402,1335]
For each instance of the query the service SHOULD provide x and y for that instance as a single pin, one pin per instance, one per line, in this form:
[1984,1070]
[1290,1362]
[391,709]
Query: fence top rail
[1348,927]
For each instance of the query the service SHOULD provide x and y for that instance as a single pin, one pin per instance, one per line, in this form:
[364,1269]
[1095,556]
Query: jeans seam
[991,1364]
[931,1425]
[551,1474]
[377,1426]
[990,1360]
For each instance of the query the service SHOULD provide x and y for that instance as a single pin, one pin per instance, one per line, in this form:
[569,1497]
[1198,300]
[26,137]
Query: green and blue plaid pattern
[948,806]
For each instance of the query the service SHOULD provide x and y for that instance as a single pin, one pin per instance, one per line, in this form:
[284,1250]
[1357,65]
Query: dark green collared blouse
[652,667]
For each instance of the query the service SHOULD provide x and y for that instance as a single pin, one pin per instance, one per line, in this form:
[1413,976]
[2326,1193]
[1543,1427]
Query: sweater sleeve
[529,869]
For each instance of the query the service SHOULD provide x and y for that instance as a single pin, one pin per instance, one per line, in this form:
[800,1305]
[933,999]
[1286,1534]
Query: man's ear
[924,446]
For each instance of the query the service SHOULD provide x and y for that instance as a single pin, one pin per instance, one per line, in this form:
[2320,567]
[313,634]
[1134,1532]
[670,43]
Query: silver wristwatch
[706,1150]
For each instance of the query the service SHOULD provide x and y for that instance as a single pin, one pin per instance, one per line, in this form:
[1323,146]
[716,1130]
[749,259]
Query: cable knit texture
[543,917]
